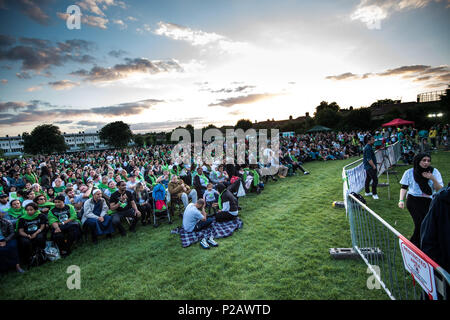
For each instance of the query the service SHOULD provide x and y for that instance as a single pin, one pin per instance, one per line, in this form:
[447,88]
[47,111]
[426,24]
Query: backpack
[359,197]
[38,258]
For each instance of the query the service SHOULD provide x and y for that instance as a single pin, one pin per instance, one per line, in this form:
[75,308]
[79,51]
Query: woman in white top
[419,183]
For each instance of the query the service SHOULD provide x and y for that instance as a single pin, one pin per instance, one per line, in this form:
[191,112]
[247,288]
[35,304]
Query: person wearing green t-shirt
[64,225]
[31,232]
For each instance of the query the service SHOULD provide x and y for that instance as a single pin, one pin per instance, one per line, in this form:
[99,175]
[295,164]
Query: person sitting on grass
[227,203]
[9,255]
[64,225]
[95,216]
[195,219]
[32,232]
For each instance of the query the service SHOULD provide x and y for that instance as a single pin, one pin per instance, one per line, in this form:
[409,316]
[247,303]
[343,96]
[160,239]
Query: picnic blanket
[216,229]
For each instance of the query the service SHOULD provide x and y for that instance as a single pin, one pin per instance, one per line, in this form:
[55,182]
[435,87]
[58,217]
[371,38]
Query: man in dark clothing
[370,165]
[122,201]
[228,205]
[434,231]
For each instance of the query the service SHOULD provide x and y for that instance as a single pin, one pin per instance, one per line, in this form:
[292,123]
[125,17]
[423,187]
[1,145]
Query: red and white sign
[420,266]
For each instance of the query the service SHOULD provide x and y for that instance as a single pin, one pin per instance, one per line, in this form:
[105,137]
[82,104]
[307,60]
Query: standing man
[370,165]
[122,201]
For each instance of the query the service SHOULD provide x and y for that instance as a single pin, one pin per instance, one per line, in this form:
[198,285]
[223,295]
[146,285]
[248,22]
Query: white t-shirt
[413,187]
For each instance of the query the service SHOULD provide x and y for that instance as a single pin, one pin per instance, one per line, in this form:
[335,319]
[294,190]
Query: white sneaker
[375,196]
[368,194]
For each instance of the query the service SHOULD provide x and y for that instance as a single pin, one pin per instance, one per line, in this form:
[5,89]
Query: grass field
[282,251]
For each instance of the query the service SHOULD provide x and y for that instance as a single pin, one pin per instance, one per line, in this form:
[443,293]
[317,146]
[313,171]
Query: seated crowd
[63,197]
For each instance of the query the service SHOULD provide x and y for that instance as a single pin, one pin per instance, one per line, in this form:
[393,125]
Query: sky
[157,65]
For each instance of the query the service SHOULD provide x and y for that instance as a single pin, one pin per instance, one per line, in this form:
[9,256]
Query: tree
[244,124]
[324,106]
[328,118]
[44,139]
[381,102]
[117,134]
[139,140]
[357,119]
[327,114]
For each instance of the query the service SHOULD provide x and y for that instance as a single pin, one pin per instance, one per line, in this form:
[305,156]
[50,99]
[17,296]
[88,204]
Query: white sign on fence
[419,267]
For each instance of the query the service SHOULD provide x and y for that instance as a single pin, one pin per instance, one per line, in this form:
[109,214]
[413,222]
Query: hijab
[418,170]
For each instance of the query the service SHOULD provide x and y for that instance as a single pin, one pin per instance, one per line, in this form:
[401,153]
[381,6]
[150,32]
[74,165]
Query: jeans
[192,195]
[203,224]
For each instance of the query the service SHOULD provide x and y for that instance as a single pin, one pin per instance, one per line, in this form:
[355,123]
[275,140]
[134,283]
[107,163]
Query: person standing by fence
[419,184]
[370,165]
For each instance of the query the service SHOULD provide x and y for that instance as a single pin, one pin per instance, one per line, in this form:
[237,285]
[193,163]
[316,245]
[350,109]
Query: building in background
[13,146]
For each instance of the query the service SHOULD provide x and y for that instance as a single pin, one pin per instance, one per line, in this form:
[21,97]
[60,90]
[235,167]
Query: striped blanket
[216,229]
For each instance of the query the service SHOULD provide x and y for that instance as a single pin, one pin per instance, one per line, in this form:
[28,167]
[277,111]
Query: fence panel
[388,254]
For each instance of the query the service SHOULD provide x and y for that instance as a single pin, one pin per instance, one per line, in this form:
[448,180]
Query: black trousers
[119,214]
[69,234]
[224,216]
[418,208]
[146,211]
[27,246]
[371,176]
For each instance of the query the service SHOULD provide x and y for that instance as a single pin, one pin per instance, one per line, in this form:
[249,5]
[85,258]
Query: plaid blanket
[216,229]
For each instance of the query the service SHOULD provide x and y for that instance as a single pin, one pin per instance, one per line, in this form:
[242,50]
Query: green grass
[282,252]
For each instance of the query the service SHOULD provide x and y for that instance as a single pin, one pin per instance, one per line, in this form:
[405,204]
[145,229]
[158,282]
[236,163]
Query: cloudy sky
[160,64]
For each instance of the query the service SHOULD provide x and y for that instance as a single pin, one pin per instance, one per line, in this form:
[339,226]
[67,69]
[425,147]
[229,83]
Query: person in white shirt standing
[419,184]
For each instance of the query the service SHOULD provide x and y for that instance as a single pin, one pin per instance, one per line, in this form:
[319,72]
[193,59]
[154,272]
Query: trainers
[368,194]
[375,196]
[204,244]
[211,241]
[306,172]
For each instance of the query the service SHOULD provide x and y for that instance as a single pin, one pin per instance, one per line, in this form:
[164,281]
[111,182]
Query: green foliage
[44,139]
[139,140]
[117,134]
[357,119]
[382,102]
[244,124]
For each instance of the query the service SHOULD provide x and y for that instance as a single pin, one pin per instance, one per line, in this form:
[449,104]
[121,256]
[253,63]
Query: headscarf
[418,170]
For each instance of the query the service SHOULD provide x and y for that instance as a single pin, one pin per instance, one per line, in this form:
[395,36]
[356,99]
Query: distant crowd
[65,197]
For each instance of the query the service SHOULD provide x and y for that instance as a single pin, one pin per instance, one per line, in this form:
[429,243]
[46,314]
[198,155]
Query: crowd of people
[64,197]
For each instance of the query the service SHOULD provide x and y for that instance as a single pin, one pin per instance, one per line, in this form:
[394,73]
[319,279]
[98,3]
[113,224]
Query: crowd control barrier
[399,267]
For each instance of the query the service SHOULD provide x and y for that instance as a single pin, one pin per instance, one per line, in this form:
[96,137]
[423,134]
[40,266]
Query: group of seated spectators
[66,196]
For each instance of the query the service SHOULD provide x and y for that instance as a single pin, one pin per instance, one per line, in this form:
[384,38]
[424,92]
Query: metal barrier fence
[354,175]
[396,263]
